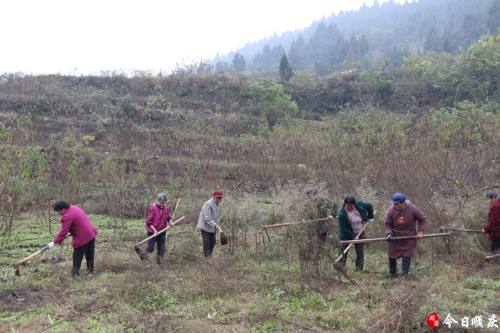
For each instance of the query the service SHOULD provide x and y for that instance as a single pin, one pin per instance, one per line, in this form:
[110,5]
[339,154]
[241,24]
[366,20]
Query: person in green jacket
[319,208]
[352,218]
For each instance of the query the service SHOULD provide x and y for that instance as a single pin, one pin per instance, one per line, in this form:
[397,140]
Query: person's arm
[422,221]
[388,225]
[369,210]
[493,219]
[65,226]
[150,213]
[155,232]
[207,216]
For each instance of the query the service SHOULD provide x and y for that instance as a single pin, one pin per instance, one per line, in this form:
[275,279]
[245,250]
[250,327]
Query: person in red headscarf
[208,222]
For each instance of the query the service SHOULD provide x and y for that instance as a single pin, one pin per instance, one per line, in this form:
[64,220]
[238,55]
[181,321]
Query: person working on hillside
[319,208]
[352,218]
[208,222]
[157,218]
[75,222]
[492,228]
[401,221]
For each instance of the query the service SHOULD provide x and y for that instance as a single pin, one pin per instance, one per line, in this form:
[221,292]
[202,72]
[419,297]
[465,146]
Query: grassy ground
[253,290]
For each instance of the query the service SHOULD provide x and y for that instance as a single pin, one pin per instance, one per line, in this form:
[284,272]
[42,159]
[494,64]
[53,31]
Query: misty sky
[88,36]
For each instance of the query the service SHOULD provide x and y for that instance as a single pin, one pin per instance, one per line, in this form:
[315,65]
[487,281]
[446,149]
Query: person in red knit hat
[208,222]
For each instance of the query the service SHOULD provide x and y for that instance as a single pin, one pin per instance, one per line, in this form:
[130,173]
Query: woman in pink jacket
[157,218]
[75,222]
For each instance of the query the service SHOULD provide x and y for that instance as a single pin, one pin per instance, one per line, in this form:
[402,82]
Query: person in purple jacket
[401,220]
[157,218]
[75,222]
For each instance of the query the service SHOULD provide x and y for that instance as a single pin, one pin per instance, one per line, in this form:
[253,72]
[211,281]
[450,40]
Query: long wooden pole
[161,231]
[34,254]
[464,230]
[492,256]
[22,261]
[381,239]
[272,226]
[175,208]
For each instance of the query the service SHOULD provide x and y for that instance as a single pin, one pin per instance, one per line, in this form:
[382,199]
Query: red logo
[433,320]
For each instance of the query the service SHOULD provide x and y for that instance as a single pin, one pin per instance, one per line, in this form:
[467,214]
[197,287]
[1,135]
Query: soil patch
[16,300]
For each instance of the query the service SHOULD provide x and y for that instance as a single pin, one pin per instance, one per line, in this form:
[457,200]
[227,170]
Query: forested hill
[383,33]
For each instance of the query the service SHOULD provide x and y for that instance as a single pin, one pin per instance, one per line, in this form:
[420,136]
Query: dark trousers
[495,245]
[360,255]
[208,243]
[404,270]
[160,241]
[87,250]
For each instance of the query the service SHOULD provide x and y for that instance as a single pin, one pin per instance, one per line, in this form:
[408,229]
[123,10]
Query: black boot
[75,272]
[90,270]
[406,266]
[393,263]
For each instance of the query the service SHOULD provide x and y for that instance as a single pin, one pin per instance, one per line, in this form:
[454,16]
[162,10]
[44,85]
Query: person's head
[60,207]
[217,195]
[349,203]
[492,195]
[311,193]
[161,198]
[398,200]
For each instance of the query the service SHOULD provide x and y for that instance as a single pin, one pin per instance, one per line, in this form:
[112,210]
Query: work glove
[50,245]
[389,237]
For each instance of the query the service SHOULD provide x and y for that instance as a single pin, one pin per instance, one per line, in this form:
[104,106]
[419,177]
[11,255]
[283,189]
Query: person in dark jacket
[157,218]
[492,228]
[352,218]
[75,222]
[401,220]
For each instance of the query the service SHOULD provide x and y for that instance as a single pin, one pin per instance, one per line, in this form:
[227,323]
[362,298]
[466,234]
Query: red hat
[218,194]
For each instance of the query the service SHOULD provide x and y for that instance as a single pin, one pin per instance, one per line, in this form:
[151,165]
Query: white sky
[87,36]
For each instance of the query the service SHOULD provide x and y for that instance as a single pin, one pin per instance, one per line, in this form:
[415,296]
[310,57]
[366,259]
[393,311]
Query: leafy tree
[272,102]
[286,70]
[239,63]
[22,172]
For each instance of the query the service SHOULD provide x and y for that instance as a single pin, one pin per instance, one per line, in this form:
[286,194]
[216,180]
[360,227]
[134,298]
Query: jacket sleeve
[420,217]
[493,220]
[207,216]
[388,223]
[150,216]
[66,223]
[369,210]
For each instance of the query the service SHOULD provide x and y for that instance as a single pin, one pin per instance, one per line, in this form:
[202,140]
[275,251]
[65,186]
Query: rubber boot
[392,267]
[75,272]
[406,266]
[90,270]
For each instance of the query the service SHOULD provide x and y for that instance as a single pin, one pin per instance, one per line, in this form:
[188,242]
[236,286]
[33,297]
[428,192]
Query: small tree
[286,71]
[22,172]
[239,63]
[273,102]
